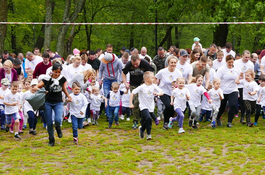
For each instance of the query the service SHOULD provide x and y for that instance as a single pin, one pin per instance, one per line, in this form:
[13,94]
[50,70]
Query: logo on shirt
[149,92]
[231,72]
[181,95]
[114,98]
[13,99]
[170,78]
[248,87]
[77,102]
[181,70]
[215,95]
[197,91]
[244,68]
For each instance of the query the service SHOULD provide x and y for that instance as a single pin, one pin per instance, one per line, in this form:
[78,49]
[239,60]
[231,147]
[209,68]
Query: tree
[3,17]
[48,28]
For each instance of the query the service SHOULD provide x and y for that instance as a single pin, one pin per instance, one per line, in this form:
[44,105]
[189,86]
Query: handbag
[38,99]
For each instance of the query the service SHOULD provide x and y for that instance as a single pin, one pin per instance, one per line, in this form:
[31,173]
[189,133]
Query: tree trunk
[177,36]
[168,33]
[132,37]
[69,43]
[3,17]
[169,40]
[13,29]
[220,35]
[48,28]
[67,19]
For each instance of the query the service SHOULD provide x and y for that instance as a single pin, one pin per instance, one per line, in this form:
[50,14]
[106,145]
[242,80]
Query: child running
[258,104]
[77,109]
[180,96]
[216,94]
[3,91]
[250,89]
[196,91]
[146,93]
[96,100]
[11,102]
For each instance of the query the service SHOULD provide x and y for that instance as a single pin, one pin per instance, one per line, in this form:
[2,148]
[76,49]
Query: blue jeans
[32,120]
[76,123]
[58,110]
[106,87]
[206,113]
[2,115]
[113,111]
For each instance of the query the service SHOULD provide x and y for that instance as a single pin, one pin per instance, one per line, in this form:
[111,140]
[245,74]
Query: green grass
[236,150]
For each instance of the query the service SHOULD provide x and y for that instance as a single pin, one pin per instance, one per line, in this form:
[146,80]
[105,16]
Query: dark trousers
[146,121]
[2,115]
[169,109]
[241,102]
[206,113]
[258,109]
[126,110]
[32,120]
[231,98]
[250,107]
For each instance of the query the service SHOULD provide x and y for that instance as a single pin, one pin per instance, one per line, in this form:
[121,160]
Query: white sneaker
[69,120]
[181,130]
[89,120]
[158,118]
[128,118]
[149,137]
[121,117]
[162,115]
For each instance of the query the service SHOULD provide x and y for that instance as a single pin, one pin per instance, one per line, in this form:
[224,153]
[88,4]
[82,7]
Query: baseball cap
[123,48]
[34,82]
[5,81]
[183,53]
[196,39]
[107,58]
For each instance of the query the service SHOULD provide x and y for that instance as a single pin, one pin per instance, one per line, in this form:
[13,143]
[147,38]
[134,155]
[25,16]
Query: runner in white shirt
[3,91]
[220,61]
[243,64]
[228,50]
[185,68]
[250,89]
[74,68]
[260,94]
[32,61]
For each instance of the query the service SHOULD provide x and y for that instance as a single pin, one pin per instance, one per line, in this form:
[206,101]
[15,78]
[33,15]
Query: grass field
[236,150]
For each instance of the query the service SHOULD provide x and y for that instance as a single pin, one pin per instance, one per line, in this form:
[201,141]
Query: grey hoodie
[111,70]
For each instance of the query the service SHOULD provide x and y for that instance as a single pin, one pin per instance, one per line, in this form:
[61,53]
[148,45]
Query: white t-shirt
[217,64]
[11,98]
[205,104]
[249,87]
[211,75]
[32,64]
[9,76]
[146,97]
[195,94]
[87,66]
[180,98]
[166,78]
[193,45]
[258,93]
[228,77]
[214,94]
[230,53]
[3,93]
[243,68]
[79,104]
[71,71]
[125,99]
[95,102]
[114,98]
[263,62]
[27,106]
[262,100]
[185,69]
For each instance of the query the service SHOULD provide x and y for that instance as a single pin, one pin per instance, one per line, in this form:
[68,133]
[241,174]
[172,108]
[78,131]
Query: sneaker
[122,117]
[11,130]
[255,124]
[181,130]
[194,124]
[109,126]
[158,118]
[75,140]
[250,124]
[165,126]
[96,123]
[31,131]
[156,121]
[117,123]
[7,129]
[89,120]
[229,125]
[93,122]
[190,122]
[20,132]
[141,133]
[219,123]
[128,118]
[236,116]
[59,132]
[44,125]
[242,120]
[201,118]
[3,127]
[24,126]
[208,120]
[34,132]
[170,124]
[213,124]
[134,125]
[149,137]
[51,141]
[17,136]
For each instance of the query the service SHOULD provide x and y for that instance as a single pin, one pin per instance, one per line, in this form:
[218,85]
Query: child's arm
[171,101]
[106,102]
[131,99]
[208,97]
[221,96]
[252,93]
[126,92]
[159,93]
[239,77]
[10,104]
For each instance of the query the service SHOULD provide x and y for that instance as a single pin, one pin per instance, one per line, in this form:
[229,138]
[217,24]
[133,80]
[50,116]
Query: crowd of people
[86,84]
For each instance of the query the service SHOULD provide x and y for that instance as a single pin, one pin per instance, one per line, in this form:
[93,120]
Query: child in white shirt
[250,89]
[77,109]
[206,107]
[125,99]
[259,94]
[219,62]
[180,96]
[3,91]
[146,93]
[113,99]
[95,104]
[196,91]
[216,95]
[11,102]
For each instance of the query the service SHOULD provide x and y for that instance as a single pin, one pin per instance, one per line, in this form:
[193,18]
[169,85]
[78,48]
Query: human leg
[232,105]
